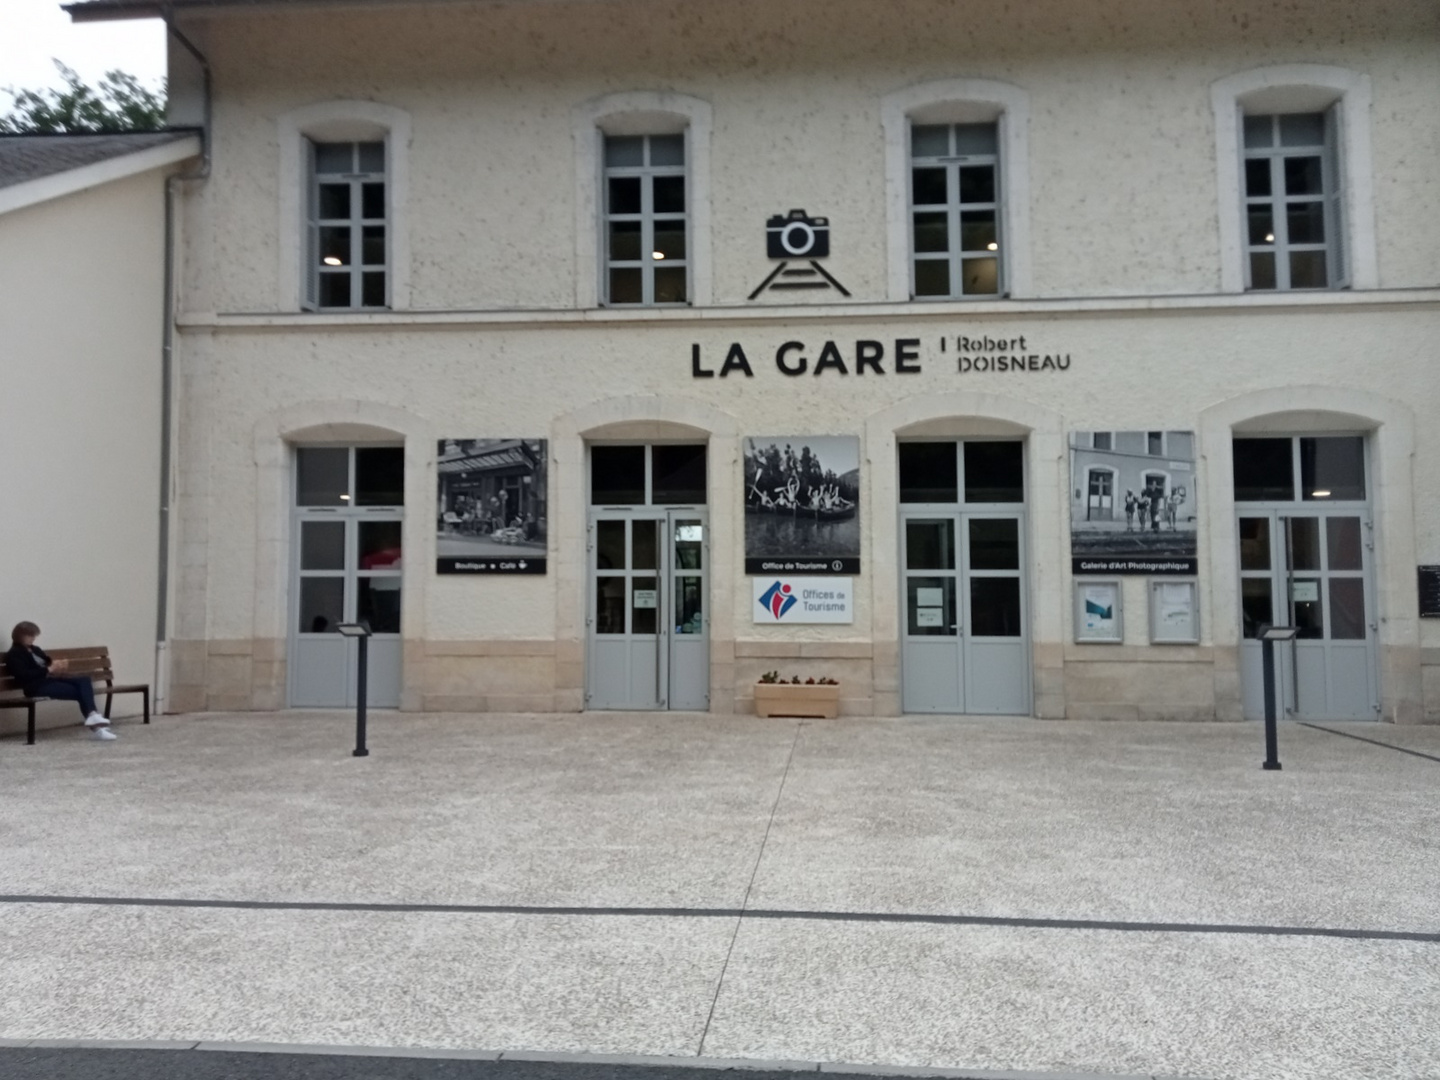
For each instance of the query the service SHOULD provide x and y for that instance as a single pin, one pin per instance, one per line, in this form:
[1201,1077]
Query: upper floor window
[347,250]
[646,220]
[1295,179]
[955,208]
[957,190]
[344,186]
[1292,201]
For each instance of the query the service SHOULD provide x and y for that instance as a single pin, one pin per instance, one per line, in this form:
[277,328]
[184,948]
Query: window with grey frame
[646,223]
[347,246]
[955,202]
[1293,204]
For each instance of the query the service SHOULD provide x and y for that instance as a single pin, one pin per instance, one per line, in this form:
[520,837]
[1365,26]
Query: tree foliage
[119,103]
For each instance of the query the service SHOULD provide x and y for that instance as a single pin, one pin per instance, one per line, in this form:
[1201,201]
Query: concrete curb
[637,1060]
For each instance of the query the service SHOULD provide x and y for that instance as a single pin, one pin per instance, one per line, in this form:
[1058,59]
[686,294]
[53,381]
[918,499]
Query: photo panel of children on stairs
[1133,503]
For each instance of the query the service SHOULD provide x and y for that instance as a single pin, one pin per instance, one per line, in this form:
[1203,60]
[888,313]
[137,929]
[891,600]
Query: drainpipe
[167,373]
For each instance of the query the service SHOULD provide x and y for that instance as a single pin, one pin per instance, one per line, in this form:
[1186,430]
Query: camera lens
[798,238]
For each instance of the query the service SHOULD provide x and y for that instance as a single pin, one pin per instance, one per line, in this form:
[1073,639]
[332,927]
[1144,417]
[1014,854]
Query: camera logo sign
[797,235]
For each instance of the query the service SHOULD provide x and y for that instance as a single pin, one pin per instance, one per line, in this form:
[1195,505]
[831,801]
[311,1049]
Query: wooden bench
[93,661]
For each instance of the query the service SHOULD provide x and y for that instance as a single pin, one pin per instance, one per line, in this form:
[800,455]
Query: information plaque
[1174,613]
[1430,592]
[1098,615]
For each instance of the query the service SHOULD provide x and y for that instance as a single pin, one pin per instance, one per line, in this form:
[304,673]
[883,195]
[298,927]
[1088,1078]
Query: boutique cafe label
[960,354]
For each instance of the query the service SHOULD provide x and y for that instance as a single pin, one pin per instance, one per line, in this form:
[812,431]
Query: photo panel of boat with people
[802,504]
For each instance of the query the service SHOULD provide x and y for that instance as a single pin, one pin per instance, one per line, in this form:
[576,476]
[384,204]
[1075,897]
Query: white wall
[80,318]
[1123,197]
[1130,370]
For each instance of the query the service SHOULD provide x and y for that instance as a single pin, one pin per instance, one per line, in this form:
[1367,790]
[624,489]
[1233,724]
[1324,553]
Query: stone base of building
[1074,682]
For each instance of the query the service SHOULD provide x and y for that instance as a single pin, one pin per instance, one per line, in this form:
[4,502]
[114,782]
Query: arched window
[643,201]
[1296,203]
[957,182]
[344,182]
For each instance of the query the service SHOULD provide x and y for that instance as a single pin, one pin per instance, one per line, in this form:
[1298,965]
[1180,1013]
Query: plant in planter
[819,698]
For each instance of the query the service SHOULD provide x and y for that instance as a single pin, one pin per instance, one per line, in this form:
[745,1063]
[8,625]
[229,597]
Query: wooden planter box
[787,699]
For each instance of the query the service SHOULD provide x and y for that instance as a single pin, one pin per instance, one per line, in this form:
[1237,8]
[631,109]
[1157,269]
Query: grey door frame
[668,644]
[386,650]
[1282,576]
[964,641]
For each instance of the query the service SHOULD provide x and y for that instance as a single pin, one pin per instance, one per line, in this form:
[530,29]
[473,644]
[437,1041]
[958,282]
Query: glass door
[648,623]
[624,668]
[997,650]
[1310,570]
[932,664]
[965,639]
[687,575]
[348,566]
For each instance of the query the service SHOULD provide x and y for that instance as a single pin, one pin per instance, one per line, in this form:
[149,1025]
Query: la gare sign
[868,356]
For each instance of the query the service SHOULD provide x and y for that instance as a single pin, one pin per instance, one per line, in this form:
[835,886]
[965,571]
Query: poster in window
[491,510]
[802,504]
[1098,611]
[1133,502]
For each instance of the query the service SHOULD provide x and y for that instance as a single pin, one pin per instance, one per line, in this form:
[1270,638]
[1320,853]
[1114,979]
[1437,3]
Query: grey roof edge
[30,179]
[177,132]
[32,156]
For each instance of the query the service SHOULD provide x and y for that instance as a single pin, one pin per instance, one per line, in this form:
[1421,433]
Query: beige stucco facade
[1119,261]
[81,285]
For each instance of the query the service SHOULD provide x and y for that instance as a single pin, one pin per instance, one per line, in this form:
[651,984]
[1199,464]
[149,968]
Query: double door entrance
[1310,569]
[346,567]
[965,640]
[350,570]
[648,623]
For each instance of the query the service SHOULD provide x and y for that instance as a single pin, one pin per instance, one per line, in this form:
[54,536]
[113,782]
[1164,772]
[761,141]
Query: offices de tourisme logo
[777,600]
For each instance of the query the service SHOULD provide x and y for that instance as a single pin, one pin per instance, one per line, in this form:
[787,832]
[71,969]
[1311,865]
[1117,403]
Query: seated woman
[39,676]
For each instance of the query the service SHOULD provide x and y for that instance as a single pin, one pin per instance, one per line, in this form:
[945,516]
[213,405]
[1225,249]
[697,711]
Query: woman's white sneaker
[103,734]
[95,720]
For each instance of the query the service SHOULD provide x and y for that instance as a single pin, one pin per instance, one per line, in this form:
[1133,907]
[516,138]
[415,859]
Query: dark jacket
[25,669]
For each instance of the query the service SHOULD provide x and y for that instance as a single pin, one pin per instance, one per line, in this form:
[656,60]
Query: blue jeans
[78,689]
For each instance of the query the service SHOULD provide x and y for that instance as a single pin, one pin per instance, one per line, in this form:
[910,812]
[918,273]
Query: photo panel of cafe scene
[491,513]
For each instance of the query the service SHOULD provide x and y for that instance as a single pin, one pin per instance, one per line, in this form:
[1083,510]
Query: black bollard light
[1268,635]
[361,632]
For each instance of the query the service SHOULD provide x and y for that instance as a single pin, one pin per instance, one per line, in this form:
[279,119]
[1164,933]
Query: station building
[1069,342]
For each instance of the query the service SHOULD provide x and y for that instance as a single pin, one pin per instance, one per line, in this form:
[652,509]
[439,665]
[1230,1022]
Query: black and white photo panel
[491,510]
[1133,503]
[802,504]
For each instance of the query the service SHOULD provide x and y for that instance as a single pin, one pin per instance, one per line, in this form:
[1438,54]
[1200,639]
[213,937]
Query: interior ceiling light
[992,246]
[1320,494]
[657,254]
[331,260]
[1269,238]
